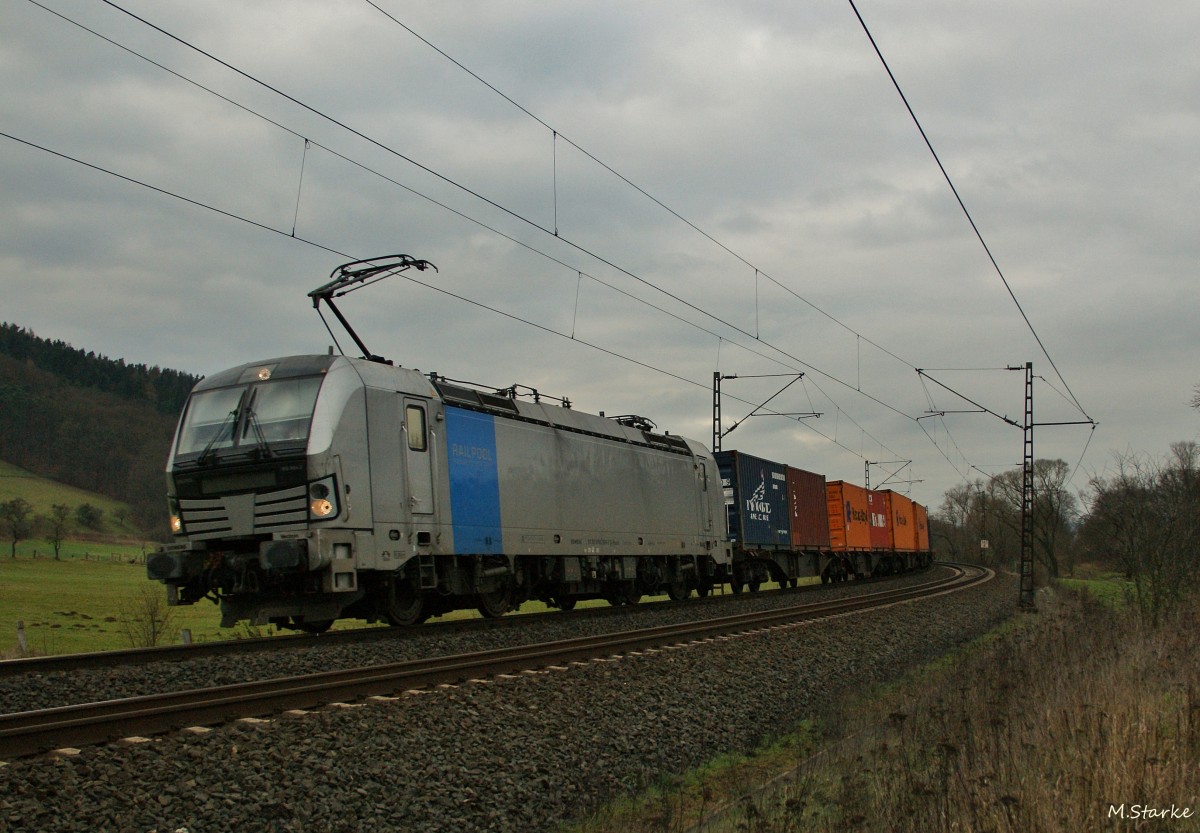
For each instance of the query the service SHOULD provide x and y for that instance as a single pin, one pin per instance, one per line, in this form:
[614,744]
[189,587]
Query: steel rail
[32,732]
[281,642]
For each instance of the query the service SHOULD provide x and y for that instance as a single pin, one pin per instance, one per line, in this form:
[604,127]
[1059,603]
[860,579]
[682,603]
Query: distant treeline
[89,421]
[167,390]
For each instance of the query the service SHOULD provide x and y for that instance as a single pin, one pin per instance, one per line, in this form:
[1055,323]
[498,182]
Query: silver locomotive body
[311,488]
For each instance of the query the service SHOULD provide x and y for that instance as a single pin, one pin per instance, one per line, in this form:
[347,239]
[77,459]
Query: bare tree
[952,522]
[57,525]
[1055,513]
[1147,518]
[1001,524]
[16,516]
[146,617]
[1055,509]
[974,512]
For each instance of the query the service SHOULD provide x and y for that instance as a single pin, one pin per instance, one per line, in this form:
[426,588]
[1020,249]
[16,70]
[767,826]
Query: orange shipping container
[904,522]
[881,522]
[922,527]
[849,519]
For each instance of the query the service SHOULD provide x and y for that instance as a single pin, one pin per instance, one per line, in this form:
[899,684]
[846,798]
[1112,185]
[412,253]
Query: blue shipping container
[756,499]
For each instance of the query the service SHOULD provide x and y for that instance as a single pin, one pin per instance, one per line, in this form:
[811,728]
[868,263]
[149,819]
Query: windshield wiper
[231,421]
[264,449]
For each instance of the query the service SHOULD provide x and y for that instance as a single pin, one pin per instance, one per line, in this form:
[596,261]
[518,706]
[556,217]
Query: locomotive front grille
[245,514]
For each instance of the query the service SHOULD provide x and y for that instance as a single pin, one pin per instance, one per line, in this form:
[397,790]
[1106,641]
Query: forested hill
[166,389]
[89,421]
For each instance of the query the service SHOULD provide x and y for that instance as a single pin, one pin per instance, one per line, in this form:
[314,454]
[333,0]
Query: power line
[264,227]
[453,183]
[506,210]
[165,192]
[963,206]
[678,299]
[558,134]
[366,168]
[757,271]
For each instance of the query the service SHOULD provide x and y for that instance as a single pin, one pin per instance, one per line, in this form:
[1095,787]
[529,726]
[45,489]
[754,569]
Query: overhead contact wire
[604,165]
[963,206]
[497,205]
[264,227]
[501,207]
[472,220]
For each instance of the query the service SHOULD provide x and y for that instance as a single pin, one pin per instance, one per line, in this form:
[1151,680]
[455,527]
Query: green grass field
[75,604]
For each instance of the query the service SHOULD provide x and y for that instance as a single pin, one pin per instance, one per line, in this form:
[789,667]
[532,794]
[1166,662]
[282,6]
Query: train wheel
[677,591]
[631,594]
[407,607]
[754,585]
[566,603]
[495,603]
[704,589]
[312,626]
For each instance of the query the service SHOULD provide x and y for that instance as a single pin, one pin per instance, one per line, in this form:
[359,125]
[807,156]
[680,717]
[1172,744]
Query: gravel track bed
[519,754]
[46,690]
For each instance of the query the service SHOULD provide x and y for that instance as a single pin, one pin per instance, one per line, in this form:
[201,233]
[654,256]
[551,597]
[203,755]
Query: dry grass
[1047,725]
[1045,729]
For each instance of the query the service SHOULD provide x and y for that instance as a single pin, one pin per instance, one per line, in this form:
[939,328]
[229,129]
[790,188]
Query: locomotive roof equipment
[355,275]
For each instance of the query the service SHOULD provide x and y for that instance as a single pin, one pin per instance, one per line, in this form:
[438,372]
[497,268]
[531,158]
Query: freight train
[307,489]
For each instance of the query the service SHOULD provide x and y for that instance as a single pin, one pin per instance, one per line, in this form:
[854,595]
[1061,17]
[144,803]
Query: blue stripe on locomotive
[474,482]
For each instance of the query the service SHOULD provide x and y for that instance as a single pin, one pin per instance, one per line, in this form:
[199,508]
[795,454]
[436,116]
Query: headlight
[175,518]
[322,499]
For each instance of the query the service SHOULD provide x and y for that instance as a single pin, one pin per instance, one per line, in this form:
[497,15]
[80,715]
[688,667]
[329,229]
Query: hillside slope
[88,421]
[116,517]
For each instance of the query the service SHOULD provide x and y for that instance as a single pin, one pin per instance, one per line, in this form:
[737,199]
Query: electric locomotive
[306,489]
[310,488]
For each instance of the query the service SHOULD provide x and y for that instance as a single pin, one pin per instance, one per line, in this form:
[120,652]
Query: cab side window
[414,424]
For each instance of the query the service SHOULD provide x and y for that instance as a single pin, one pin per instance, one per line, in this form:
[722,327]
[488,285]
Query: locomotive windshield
[260,417]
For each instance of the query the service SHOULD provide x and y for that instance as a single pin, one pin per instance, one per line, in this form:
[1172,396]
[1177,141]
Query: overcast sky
[809,227]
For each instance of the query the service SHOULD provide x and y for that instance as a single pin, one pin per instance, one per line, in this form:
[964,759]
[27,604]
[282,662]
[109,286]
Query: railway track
[199,650]
[29,733]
